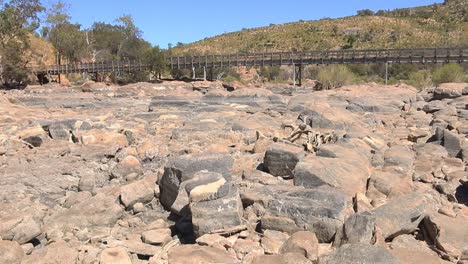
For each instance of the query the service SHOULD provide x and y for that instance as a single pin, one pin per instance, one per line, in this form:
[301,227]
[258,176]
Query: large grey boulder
[101,210]
[281,159]
[359,228]
[346,175]
[321,210]
[452,143]
[448,234]
[359,253]
[401,215]
[184,168]
[217,213]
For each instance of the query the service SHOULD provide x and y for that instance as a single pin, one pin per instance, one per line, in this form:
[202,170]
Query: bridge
[295,59]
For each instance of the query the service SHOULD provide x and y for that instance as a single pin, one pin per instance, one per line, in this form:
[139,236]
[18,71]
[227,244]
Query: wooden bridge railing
[423,55]
[323,57]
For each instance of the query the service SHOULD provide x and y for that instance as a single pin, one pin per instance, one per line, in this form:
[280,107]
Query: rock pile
[206,173]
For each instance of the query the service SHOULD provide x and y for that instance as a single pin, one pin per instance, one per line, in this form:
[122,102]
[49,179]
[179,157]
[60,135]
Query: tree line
[20,19]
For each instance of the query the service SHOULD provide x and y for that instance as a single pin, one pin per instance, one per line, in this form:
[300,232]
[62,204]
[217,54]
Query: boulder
[449,91]
[321,210]
[126,166]
[399,156]
[21,221]
[11,252]
[246,250]
[157,236]
[220,215]
[281,159]
[273,240]
[141,191]
[204,186]
[184,168]
[388,184]
[359,228]
[101,210]
[195,254]
[302,242]
[213,240]
[58,252]
[448,234]
[401,215]
[114,256]
[348,176]
[61,130]
[359,253]
[135,247]
[409,250]
[452,143]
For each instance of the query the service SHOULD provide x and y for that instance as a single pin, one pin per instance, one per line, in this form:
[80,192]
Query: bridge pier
[204,73]
[297,74]
[194,74]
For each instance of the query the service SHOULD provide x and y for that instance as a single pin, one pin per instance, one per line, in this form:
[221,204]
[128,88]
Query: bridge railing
[273,58]
[322,57]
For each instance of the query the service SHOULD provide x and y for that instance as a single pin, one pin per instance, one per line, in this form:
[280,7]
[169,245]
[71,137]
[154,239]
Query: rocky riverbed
[207,173]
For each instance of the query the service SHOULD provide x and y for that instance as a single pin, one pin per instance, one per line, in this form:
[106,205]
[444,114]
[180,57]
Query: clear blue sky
[166,21]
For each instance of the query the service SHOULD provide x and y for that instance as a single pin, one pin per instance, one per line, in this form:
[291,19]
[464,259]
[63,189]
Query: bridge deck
[425,55]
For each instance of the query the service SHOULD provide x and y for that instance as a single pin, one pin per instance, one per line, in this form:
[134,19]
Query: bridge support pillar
[204,73]
[297,74]
[194,74]
[211,74]
[386,73]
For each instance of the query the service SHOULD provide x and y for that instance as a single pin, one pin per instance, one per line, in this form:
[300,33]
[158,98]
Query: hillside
[428,26]
[41,52]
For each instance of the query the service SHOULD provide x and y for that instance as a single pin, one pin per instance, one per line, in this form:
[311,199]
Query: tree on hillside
[155,58]
[66,37]
[121,41]
[365,12]
[69,41]
[18,18]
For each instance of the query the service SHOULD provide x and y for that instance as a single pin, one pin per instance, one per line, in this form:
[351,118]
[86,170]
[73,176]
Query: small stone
[244,234]
[27,248]
[138,208]
[157,237]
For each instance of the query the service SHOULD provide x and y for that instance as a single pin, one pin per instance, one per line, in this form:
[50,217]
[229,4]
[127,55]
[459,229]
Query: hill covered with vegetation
[437,25]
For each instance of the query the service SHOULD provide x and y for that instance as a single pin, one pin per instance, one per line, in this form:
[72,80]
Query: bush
[420,79]
[334,76]
[449,73]
[270,73]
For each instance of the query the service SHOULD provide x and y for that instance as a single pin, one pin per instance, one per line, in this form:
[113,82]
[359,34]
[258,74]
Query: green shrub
[334,76]
[270,73]
[449,73]
[420,79]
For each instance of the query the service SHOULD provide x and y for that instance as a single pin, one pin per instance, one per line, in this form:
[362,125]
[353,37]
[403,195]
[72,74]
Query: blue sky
[165,21]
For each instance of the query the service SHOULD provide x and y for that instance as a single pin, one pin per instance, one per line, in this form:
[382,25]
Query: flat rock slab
[321,210]
[401,216]
[194,254]
[359,253]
